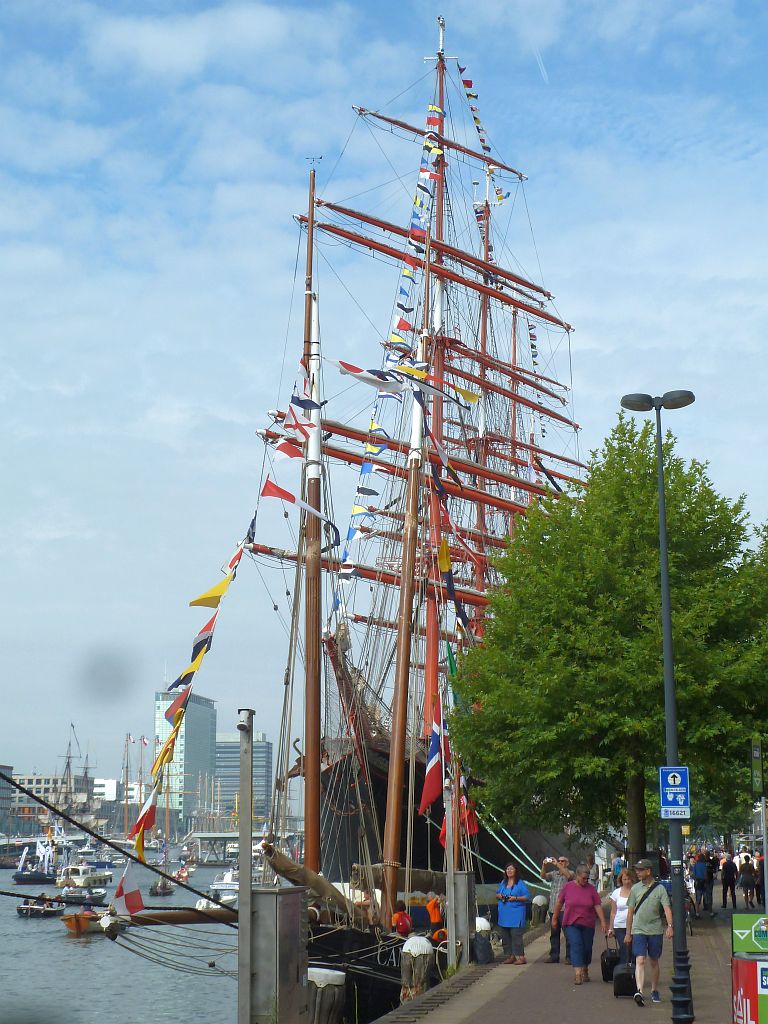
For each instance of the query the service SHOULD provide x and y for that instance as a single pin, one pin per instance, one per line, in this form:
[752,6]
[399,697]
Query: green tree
[562,709]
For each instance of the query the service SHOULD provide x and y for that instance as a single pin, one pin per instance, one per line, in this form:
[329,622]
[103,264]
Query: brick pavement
[545,992]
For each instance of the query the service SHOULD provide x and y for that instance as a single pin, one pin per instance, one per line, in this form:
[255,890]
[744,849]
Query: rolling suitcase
[624,980]
[609,959]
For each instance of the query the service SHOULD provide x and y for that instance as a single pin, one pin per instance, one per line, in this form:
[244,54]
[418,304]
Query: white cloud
[45,144]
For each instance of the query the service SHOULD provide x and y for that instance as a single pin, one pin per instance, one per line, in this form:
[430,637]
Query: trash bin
[749,968]
[539,906]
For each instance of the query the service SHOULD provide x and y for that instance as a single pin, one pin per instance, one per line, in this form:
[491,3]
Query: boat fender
[322,976]
[418,945]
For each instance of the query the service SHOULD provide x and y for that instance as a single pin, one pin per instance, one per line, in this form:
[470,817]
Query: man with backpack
[648,910]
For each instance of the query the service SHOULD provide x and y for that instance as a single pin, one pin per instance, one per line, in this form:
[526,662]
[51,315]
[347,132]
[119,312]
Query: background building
[228,772]
[194,759]
[6,800]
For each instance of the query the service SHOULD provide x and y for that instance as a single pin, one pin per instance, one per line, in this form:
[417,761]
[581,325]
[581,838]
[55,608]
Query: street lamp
[682,1012]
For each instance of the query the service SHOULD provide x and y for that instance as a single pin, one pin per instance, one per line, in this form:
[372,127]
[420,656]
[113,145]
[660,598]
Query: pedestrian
[663,864]
[758,865]
[582,904]
[617,926]
[699,874]
[616,868]
[728,875]
[645,928]
[557,873]
[594,871]
[512,896]
[712,865]
[746,881]
[401,919]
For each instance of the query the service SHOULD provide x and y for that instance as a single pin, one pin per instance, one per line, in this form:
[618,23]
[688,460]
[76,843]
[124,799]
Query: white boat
[224,882]
[84,876]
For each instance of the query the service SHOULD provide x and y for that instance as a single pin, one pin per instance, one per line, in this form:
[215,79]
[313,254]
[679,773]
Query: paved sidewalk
[542,992]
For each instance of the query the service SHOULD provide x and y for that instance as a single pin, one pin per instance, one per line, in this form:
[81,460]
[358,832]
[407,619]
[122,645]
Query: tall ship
[416,428]
[406,441]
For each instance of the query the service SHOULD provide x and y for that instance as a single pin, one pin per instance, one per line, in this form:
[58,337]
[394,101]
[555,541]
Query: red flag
[180,702]
[467,83]
[127,901]
[271,490]
[403,325]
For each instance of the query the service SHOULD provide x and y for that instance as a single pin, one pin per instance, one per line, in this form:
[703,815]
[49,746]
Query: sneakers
[655,997]
[638,997]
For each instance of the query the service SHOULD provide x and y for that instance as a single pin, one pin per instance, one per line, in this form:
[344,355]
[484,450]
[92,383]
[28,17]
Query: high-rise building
[194,758]
[228,771]
[6,799]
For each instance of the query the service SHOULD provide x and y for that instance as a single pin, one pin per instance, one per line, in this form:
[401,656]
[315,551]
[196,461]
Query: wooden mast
[312,604]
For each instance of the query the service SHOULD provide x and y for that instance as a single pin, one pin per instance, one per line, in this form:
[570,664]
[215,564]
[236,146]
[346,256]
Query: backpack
[404,925]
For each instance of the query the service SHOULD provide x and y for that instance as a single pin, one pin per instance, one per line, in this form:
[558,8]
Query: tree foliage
[562,710]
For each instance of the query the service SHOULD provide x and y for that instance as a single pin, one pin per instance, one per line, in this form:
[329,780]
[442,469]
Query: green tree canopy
[562,709]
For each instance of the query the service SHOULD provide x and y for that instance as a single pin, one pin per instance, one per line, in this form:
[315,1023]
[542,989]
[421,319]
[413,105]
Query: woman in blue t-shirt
[512,896]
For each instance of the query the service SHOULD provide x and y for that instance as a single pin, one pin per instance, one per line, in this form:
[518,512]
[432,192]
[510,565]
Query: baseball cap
[644,864]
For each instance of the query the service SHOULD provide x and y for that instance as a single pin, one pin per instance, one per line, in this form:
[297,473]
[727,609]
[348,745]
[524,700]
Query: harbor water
[48,976]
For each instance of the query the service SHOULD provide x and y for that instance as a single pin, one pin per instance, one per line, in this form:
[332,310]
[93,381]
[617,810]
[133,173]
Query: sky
[152,156]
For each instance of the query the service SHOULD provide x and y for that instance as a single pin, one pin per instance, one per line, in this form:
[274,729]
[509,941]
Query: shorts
[647,945]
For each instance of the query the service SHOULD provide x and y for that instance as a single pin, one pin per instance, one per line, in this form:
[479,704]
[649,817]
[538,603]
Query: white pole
[765,849]
[450,892]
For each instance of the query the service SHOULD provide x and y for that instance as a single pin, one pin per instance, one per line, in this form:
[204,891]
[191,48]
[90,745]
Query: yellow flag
[138,845]
[469,395]
[444,557]
[211,598]
[166,751]
[189,671]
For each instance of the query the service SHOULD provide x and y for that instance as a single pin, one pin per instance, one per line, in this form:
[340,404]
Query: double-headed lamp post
[682,1004]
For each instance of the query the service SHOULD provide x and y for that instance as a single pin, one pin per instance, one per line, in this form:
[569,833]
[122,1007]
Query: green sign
[749,933]
[757,767]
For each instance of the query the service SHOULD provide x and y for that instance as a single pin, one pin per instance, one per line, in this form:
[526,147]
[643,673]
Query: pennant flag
[287,450]
[296,425]
[212,597]
[189,671]
[452,667]
[166,751]
[444,557]
[144,741]
[366,492]
[402,307]
[403,325]
[234,561]
[180,703]
[272,490]
[304,403]
[380,379]
[148,813]
[127,900]
[131,739]
[436,758]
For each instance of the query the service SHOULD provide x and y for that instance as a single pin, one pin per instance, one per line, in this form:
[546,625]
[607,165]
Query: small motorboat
[76,896]
[84,876]
[162,887]
[33,876]
[40,907]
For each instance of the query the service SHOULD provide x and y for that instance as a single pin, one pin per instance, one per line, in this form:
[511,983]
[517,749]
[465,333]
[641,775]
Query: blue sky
[150,164]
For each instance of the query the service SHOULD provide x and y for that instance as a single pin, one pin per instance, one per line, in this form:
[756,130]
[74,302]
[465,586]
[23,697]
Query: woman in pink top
[582,904]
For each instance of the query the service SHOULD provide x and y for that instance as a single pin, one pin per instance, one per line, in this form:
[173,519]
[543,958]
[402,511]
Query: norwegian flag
[127,901]
[438,757]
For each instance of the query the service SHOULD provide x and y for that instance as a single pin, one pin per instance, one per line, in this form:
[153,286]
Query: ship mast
[396,777]
[312,566]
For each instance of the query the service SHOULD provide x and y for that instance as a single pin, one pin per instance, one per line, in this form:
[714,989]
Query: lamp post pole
[682,1002]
